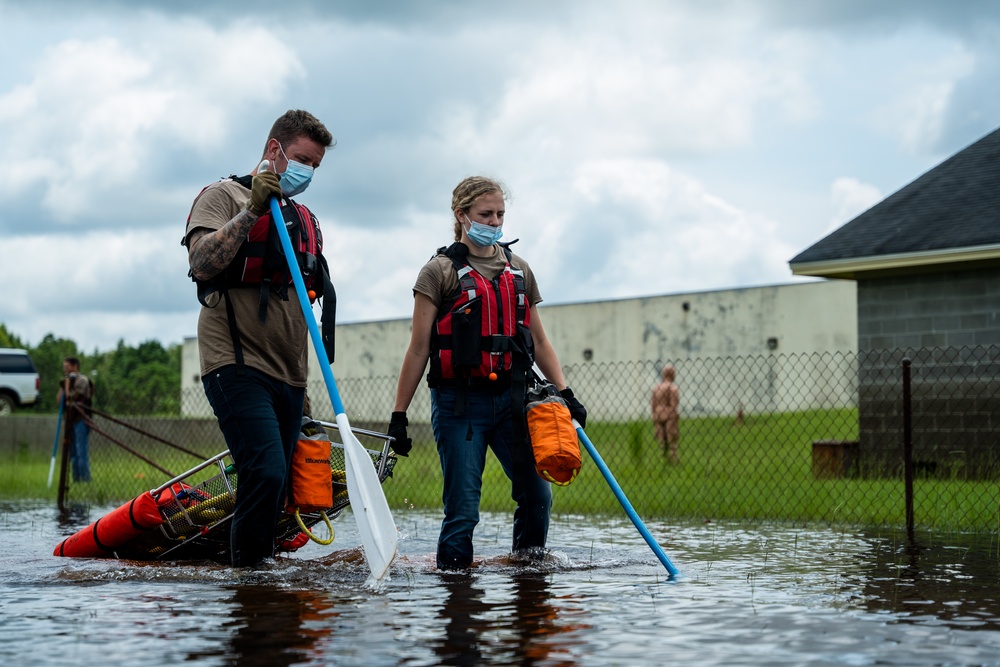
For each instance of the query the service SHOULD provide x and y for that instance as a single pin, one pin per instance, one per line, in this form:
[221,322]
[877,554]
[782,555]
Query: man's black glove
[397,429]
[265,184]
[576,409]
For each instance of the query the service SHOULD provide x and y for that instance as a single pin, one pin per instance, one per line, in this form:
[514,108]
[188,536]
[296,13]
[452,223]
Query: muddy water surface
[747,596]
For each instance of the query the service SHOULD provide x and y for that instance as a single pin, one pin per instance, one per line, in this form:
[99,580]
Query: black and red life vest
[260,263]
[482,333]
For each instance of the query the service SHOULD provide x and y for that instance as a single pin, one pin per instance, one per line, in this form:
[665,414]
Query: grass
[760,470]
[756,470]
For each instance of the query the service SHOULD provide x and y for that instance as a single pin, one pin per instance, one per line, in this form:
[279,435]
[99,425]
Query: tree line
[140,380]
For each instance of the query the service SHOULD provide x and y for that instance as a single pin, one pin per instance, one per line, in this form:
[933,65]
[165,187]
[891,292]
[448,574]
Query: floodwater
[766,595]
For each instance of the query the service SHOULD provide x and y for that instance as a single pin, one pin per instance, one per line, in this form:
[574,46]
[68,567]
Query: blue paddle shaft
[379,546]
[300,291]
[625,503]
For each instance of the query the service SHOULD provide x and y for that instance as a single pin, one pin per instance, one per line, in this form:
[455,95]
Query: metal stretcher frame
[195,515]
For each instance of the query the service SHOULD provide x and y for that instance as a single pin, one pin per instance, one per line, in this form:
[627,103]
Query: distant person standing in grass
[666,402]
[78,391]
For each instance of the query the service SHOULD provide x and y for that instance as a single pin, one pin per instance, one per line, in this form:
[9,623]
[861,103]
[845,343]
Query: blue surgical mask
[483,235]
[296,177]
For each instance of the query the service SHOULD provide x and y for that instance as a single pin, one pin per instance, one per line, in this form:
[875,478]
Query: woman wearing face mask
[475,320]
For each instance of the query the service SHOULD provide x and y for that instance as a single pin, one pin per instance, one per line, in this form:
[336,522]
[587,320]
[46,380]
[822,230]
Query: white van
[19,381]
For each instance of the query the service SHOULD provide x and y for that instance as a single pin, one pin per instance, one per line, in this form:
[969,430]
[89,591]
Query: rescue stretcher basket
[197,514]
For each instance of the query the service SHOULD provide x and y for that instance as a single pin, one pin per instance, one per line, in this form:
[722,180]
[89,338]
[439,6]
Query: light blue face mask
[483,235]
[296,177]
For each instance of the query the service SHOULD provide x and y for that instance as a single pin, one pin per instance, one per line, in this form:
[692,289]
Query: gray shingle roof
[954,205]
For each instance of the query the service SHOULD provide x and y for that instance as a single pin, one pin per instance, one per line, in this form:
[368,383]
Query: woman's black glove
[397,429]
[576,409]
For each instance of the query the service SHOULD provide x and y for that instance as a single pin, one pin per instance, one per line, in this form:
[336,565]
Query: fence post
[64,462]
[908,446]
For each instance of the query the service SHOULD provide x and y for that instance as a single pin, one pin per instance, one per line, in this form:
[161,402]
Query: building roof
[949,215]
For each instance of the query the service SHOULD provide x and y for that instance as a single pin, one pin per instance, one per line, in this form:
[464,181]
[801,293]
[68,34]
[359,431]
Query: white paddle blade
[371,511]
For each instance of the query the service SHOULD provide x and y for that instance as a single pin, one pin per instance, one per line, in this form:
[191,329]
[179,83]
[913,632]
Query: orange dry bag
[553,438]
[312,479]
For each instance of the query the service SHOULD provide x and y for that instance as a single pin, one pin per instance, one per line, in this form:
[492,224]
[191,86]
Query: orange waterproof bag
[553,439]
[312,480]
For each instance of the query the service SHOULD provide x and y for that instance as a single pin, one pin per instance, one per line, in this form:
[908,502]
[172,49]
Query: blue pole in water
[368,503]
[624,502]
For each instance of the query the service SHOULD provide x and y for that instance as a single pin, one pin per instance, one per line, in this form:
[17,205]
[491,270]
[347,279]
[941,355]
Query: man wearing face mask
[252,335]
[475,320]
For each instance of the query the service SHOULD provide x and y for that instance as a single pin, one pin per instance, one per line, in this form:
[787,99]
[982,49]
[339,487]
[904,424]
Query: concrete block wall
[955,403]
[940,309]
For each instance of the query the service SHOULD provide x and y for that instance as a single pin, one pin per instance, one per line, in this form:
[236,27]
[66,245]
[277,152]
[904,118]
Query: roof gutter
[850,267]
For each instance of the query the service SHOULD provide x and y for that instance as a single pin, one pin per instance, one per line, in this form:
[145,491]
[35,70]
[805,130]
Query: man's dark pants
[260,419]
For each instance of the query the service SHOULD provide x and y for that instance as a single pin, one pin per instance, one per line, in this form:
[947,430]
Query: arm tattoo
[209,252]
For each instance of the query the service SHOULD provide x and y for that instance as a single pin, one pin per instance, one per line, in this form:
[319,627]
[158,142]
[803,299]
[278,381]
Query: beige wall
[801,318]
[805,317]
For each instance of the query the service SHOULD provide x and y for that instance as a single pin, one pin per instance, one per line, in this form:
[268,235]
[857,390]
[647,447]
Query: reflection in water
[462,614]
[273,627]
[72,517]
[750,595]
[525,629]
[956,585]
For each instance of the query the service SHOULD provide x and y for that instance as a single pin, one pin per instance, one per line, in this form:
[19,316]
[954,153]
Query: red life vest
[260,262]
[260,259]
[482,327]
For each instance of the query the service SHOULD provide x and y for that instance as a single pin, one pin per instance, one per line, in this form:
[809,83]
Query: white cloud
[673,236]
[921,88]
[601,91]
[88,285]
[374,270]
[619,228]
[850,198]
[96,112]
[656,147]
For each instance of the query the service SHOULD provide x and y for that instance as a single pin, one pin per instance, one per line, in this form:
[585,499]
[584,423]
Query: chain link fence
[790,437]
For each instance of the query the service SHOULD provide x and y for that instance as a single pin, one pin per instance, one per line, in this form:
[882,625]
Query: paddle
[55,443]
[624,501]
[371,510]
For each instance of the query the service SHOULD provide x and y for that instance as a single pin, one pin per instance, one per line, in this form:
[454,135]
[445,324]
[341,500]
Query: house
[927,265]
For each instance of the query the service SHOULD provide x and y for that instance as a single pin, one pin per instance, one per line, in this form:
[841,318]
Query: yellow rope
[308,532]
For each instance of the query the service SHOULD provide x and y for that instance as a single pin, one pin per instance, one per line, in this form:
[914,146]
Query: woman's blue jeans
[261,419]
[484,421]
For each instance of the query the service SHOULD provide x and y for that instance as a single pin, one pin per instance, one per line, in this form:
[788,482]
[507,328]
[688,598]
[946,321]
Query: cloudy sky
[651,147]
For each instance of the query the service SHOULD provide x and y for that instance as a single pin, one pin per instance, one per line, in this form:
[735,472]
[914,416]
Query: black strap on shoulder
[505,245]
[245,181]
[329,317]
[457,252]
[234,333]
[523,359]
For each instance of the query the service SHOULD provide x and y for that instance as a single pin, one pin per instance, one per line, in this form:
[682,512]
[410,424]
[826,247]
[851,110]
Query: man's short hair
[296,123]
